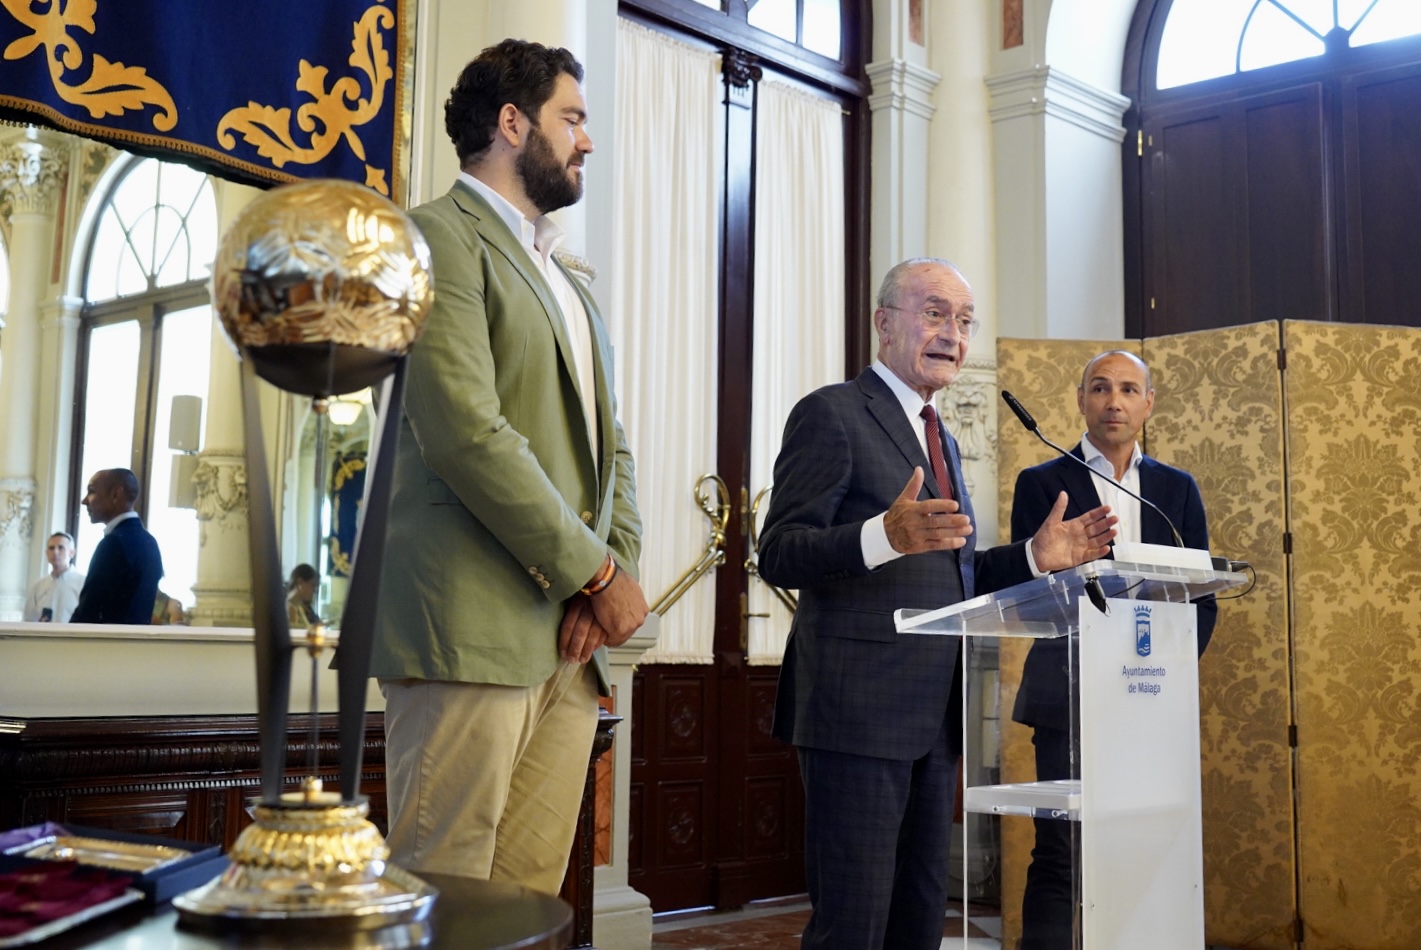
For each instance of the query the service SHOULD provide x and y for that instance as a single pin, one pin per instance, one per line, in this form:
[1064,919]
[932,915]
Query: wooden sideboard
[193,777]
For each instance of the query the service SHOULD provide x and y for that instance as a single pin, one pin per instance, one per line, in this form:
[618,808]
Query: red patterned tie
[934,434]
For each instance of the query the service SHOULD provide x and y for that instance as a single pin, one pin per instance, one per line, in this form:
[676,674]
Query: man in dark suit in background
[124,573]
[859,530]
[1116,396]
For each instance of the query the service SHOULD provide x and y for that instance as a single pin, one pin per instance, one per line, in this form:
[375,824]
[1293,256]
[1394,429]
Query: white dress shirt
[60,594]
[540,238]
[110,525]
[1124,507]
[873,538]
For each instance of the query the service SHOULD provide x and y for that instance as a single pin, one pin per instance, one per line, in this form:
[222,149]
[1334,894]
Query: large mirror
[323,486]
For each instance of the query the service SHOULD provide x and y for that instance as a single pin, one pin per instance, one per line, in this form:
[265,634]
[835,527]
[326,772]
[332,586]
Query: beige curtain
[667,173]
[799,292]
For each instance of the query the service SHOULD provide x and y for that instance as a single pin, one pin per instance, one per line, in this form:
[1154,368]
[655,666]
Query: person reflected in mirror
[122,585]
[54,596]
[168,610]
[301,596]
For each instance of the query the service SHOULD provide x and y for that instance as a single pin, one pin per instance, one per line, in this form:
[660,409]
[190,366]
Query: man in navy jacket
[1115,396]
[124,573]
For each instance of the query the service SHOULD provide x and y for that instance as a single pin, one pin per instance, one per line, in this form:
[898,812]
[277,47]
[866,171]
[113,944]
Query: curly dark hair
[514,71]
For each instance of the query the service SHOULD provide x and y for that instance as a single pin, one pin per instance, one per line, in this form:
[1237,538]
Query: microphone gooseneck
[1030,424]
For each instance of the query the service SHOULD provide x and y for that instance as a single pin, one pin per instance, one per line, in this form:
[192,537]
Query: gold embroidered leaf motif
[332,114]
[112,88]
[268,129]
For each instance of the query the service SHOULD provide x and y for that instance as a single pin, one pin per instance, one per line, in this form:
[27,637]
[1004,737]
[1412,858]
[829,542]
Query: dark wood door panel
[1382,171]
[1237,213]
[1290,267]
[1195,253]
[673,791]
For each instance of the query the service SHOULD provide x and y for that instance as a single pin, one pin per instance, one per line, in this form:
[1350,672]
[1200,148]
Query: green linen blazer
[499,511]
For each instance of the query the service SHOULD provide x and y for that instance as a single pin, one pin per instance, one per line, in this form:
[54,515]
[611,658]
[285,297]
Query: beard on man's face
[547,181]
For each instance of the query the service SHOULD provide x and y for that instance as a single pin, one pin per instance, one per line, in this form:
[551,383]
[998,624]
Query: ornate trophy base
[312,864]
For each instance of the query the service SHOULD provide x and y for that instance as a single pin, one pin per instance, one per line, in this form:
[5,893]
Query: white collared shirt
[1124,507]
[873,538]
[110,525]
[541,238]
[60,594]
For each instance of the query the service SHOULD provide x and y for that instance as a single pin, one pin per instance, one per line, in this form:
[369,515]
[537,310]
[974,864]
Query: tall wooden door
[716,803]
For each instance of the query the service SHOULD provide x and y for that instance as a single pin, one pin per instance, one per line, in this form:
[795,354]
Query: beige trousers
[486,781]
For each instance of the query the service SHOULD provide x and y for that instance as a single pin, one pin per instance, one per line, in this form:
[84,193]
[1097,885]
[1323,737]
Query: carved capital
[968,409]
[739,67]
[221,482]
[93,160]
[17,501]
[31,170]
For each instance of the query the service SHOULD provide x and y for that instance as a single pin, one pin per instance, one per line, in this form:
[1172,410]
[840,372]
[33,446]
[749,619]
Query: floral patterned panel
[1354,414]
[1043,375]
[1218,415]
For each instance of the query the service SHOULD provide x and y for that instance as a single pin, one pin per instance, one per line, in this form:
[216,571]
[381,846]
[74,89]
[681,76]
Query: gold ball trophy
[322,287]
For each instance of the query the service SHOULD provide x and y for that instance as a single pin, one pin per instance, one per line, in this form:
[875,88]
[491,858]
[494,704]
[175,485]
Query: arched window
[145,337]
[1205,39]
[813,24]
[1271,164]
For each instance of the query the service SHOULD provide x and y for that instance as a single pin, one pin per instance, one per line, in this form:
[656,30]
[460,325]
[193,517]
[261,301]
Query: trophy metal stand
[322,286]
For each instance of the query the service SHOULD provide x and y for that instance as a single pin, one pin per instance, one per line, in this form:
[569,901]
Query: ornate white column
[902,107]
[31,174]
[222,596]
[59,345]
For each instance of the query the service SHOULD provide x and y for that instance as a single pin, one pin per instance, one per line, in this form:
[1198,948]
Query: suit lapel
[496,234]
[601,377]
[886,408]
[1153,530]
[1080,485]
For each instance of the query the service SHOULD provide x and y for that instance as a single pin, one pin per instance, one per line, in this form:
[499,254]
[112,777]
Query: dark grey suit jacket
[1041,700]
[850,682]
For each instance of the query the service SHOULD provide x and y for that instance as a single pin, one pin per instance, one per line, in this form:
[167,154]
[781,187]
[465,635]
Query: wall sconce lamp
[345,410]
[184,433]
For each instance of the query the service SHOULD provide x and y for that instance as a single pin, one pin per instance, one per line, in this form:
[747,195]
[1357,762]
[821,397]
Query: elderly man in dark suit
[124,573]
[1116,396]
[858,528]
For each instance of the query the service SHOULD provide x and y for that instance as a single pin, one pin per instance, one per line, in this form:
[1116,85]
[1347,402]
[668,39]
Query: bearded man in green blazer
[514,532]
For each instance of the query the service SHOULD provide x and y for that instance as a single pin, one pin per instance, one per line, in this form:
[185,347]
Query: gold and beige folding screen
[1305,439]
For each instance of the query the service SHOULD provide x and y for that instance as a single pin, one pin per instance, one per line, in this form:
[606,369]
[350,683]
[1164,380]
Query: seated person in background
[168,609]
[55,595]
[301,596]
[123,576]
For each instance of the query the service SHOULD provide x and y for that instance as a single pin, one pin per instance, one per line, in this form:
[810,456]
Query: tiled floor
[777,926]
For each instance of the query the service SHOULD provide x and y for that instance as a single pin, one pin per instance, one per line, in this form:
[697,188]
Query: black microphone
[1035,430]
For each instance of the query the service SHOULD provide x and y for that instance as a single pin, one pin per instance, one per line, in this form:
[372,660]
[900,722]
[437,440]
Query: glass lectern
[1110,683]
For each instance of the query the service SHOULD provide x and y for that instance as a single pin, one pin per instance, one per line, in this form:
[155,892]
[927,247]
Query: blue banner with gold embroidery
[260,91]
[347,494]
